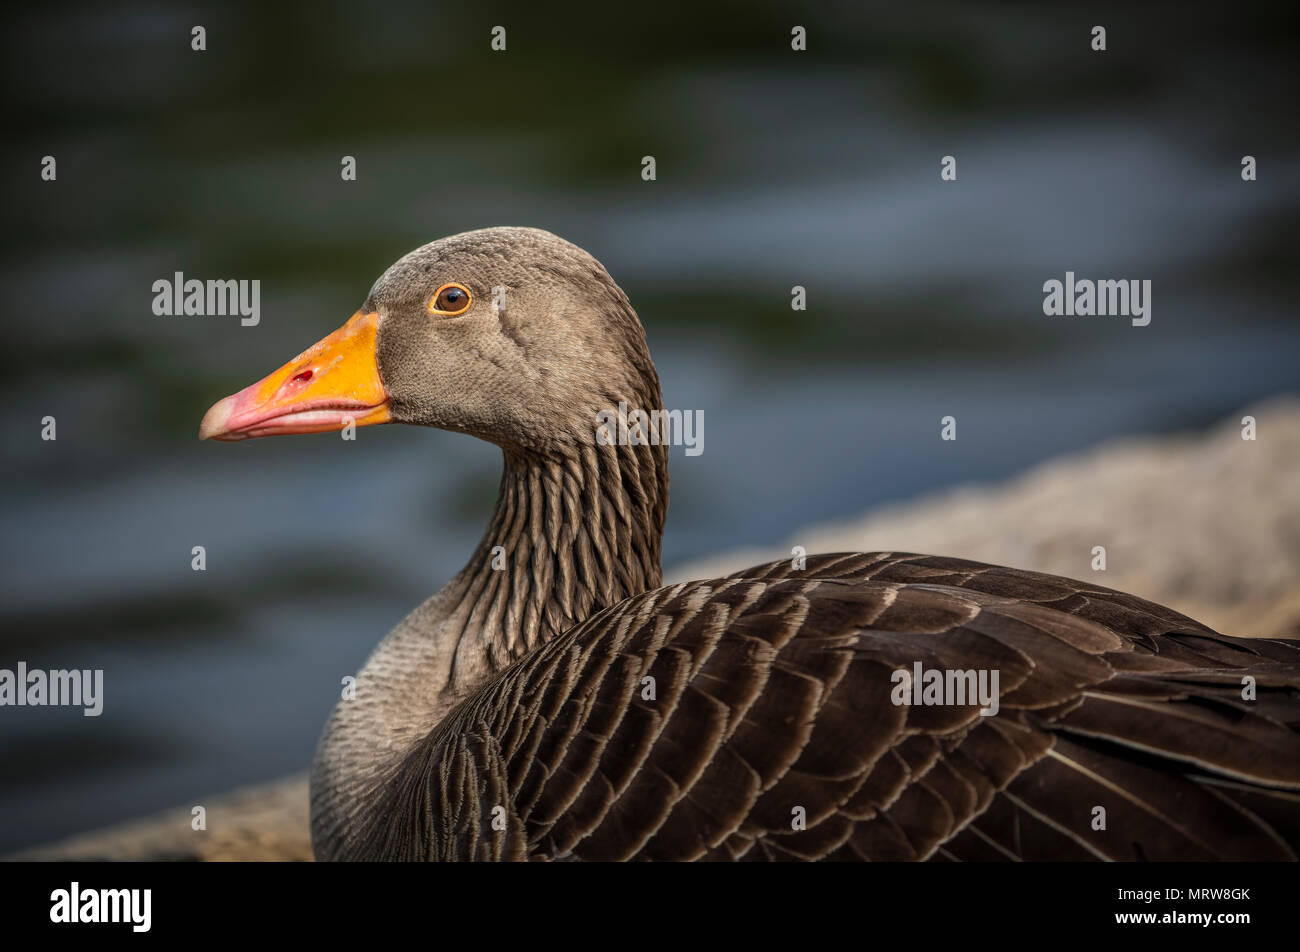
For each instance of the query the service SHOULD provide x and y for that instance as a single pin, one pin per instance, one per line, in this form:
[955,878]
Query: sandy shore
[1206,523]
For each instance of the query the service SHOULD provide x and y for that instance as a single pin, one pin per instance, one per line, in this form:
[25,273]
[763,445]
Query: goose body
[554,701]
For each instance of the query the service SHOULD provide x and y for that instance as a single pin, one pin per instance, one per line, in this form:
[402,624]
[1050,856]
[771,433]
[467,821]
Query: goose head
[512,335]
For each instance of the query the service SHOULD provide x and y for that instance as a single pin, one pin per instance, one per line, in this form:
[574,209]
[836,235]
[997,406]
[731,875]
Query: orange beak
[326,387]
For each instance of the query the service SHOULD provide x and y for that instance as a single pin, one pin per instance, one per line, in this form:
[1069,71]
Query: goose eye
[451,299]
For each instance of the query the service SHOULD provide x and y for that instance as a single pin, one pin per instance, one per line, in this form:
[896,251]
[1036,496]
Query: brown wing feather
[771,696]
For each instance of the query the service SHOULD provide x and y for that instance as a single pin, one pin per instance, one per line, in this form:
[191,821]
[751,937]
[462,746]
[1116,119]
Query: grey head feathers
[549,340]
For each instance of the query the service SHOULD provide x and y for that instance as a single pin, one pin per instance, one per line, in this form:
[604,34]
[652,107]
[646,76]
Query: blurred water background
[775,168]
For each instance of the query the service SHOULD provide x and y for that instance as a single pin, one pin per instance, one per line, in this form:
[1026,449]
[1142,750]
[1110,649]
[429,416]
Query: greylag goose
[555,701]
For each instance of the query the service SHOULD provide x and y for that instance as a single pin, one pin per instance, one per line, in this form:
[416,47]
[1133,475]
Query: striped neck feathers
[573,532]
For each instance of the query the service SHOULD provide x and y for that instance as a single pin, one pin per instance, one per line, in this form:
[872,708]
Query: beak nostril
[302,377]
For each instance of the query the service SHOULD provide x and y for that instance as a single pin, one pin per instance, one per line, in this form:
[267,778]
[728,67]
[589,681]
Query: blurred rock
[1208,524]
[265,822]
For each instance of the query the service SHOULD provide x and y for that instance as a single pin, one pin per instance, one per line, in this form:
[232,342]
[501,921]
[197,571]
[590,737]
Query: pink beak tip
[215,420]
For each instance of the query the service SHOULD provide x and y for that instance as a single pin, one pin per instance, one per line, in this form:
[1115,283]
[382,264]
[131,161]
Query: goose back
[772,731]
